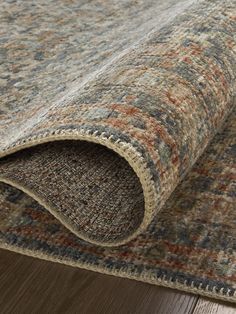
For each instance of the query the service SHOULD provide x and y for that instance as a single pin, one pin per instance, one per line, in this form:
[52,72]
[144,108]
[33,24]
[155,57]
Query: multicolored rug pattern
[110,157]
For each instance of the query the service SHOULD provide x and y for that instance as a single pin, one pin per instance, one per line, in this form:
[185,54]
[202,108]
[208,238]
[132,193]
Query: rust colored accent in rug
[110,156]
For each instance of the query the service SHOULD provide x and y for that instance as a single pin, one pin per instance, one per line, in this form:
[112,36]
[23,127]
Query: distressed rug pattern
[117,138]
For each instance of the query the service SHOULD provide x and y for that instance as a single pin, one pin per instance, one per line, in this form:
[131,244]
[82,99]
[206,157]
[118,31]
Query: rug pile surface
[118,138]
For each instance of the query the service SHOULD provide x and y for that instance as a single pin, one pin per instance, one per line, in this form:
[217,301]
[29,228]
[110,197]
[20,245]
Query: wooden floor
[29,285]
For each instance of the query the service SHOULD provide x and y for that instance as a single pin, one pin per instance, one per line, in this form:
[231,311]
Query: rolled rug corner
[90,188]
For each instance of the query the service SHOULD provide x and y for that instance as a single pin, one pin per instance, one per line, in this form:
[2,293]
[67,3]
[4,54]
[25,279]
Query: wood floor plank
[29,285]
[207,306]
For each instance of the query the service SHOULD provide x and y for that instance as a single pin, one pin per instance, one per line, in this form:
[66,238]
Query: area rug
[117,138]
